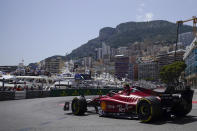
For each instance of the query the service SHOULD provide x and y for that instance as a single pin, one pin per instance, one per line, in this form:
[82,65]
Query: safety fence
[85,92]
[16,95]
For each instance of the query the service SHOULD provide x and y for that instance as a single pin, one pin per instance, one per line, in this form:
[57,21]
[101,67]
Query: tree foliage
[170,73]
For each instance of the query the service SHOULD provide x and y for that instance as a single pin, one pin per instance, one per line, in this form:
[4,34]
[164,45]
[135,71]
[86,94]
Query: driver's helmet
[126,86]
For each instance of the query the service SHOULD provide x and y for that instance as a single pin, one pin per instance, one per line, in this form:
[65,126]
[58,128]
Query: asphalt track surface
[46,114]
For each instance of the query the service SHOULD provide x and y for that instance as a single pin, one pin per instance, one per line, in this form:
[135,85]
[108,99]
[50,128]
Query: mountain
[127,33]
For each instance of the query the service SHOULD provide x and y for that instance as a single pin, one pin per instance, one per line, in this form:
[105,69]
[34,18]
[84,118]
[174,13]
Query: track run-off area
[46,114]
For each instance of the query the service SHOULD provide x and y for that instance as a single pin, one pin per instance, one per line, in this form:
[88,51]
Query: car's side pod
[148,108]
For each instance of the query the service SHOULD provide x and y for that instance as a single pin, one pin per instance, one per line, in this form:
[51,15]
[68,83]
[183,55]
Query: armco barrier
[11,95]
[33,94]
[46,93]
[20,95]
[76,92]
[37,94]
[7,95]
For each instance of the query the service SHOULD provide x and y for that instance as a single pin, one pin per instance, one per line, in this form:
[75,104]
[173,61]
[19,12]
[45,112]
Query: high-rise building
[148,71]
[106,51]
[133,68]
[186,38]
[103,53]
[135,49]
[99,53]
[121,66]
[54,65]
[122,51]
[190,58]
[131,71]
[135,71]
[169,58]
[87,62]
[113,53]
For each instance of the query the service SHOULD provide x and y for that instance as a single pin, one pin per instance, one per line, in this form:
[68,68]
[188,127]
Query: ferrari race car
[145,104]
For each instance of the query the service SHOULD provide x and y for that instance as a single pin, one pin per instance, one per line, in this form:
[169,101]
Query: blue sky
[35,29]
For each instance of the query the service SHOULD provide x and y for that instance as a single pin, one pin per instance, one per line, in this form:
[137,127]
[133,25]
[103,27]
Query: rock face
[106,33]
[128,33]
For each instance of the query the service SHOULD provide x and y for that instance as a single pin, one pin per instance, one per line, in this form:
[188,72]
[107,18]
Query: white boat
[62,84]
[35,82]
[6,82]
[64,80]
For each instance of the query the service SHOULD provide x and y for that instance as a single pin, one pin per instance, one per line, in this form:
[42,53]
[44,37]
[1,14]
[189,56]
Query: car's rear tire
[148,109]
[183,108]
[185,105]
[79,106]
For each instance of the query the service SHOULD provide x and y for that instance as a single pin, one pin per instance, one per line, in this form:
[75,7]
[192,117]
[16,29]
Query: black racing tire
[79,106]
[183,108]
[148,109]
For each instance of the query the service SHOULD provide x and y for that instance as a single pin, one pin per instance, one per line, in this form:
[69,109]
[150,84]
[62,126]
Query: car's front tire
[79,106]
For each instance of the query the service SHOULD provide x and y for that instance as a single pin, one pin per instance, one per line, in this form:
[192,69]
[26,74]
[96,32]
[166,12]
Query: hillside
[127,33]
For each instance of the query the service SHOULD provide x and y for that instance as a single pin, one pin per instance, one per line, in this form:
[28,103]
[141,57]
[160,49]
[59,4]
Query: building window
[196,69]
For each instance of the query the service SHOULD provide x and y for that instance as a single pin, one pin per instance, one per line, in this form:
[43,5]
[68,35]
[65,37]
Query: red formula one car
[136,101]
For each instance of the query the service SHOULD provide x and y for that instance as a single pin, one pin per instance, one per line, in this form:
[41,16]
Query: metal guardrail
[17,95]
[77,92]
[37,94]
[7,95]
[20,95]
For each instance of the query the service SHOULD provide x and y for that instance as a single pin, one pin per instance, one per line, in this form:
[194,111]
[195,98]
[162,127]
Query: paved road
[46,114]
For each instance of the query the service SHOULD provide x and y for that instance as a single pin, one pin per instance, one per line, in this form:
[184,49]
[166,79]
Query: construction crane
[179,23]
